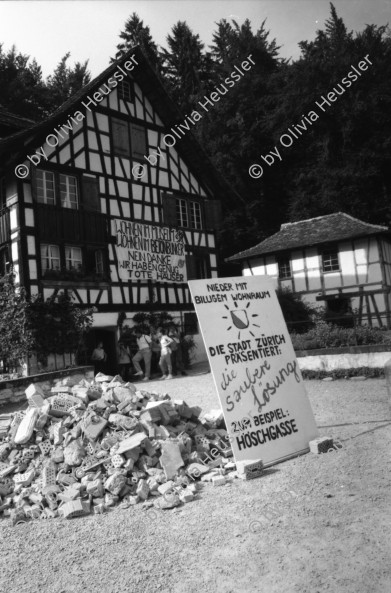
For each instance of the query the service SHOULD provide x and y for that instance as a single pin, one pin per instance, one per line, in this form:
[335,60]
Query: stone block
[171,458]
[321,445]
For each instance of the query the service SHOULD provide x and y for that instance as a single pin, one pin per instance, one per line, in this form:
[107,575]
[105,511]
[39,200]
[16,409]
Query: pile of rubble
[87,447]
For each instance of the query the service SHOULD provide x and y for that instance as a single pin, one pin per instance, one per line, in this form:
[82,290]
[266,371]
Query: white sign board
[149,252]
[266,409]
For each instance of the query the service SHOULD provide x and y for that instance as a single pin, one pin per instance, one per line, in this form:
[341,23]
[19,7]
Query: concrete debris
[248,470]
[321,445]
[87,447]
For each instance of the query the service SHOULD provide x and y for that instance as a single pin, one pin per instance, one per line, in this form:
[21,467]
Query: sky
[89,29]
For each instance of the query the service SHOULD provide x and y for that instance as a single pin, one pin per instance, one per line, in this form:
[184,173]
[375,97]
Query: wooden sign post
[261,390]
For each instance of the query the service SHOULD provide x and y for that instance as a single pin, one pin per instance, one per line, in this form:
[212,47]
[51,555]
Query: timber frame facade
[98,218]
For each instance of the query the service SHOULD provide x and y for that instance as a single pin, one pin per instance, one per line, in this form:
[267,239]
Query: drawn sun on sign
[239,318]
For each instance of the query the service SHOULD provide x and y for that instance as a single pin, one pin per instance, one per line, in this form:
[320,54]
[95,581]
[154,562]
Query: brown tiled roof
[314,231]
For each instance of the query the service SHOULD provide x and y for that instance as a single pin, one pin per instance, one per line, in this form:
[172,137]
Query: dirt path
[312,524]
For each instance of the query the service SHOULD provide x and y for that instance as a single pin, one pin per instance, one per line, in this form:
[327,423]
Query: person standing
[144,344]
[124,361]
[99,358]
[176,351]
[165,353]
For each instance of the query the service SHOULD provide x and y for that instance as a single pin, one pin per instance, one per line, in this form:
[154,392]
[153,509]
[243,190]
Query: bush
[32,325]
[298,314]
[368,372]
[327,335]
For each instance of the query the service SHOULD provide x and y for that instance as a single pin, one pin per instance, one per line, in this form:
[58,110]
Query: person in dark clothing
[176,351]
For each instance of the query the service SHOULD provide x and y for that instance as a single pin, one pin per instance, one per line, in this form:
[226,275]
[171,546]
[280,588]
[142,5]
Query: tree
[34,326]
[135,33]
[343,161]
[66,81]
[16,339]
[57,325]
[186,67]
[22,89]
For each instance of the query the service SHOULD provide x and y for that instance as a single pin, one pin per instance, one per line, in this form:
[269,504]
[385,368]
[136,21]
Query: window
[125,90]
[330,262]
[99,262]
[48,190]
[139,143]
[73,258]
[45,187]
[284,268]
[50,257]
[68,192]
[181,212]
[121,142]
[188,213]
[195,215]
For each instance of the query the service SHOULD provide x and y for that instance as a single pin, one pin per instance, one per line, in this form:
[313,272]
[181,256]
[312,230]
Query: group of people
[165,341]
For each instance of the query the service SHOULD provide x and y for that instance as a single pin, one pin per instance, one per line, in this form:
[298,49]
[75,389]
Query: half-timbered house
[113,199]
[336,261]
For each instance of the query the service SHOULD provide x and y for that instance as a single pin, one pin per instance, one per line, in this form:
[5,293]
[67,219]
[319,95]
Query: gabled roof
[314,231]
[14,149]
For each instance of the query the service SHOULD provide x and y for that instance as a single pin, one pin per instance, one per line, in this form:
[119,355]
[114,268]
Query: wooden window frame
[57,191]
[189,201]
[74,204]
[126,83]
[79,265]
[332,254]
[284,263]
[44,270]
[44,173]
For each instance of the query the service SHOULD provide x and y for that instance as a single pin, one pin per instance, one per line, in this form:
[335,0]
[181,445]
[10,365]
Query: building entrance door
[108,337]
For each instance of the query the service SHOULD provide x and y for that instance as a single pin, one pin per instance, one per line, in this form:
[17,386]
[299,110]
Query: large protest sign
[265,406]
[149,252]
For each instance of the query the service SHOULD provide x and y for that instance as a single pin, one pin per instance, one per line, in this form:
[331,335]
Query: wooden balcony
[64,224]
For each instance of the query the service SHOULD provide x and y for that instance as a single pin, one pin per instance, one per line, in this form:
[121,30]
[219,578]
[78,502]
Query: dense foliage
[327,335]
[340,163]
[34,326]
[298,314]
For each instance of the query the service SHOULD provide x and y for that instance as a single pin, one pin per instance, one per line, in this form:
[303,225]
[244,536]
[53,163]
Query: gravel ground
[311,524]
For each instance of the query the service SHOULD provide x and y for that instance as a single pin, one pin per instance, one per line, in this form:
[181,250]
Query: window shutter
[139,145]
[169,210]
[91,199]
[121,145]
[191,266]
[213,214]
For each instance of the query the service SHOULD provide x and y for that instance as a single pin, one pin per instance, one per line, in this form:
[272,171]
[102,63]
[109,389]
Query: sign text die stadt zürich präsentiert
[261,391]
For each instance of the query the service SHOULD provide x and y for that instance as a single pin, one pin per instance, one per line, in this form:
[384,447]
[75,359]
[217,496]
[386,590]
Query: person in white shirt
[165,355]
[144,344]
[99,358]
